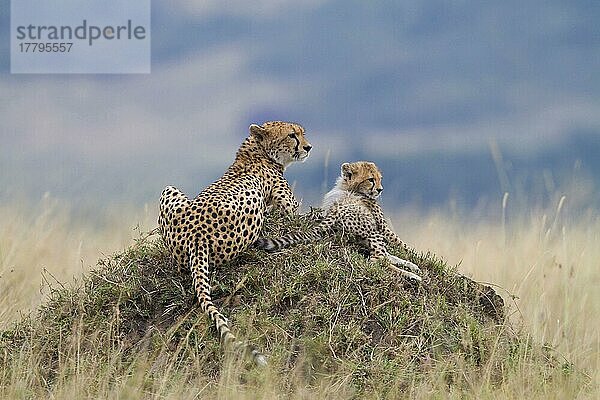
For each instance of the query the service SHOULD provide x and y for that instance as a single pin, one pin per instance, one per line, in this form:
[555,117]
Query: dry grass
[44,240]
[551,267]
[549,261]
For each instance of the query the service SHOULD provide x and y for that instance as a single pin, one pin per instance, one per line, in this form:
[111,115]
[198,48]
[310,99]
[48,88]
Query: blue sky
[425,88]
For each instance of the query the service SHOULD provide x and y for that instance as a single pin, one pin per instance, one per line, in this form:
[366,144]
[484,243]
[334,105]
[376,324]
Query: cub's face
[284,142]
[362,177]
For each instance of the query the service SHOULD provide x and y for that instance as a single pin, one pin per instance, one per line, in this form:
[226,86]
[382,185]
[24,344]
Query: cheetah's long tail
[199,267]
[289,239]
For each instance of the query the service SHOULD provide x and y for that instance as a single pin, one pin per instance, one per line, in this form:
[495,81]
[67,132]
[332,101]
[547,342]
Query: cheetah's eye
[292,135]
[372,180]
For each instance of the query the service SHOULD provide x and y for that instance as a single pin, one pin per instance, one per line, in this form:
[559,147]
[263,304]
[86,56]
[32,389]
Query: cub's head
[284,142]
[361,177]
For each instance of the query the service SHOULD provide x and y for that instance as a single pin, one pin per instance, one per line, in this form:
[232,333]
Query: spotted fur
[351,208]
[227,216]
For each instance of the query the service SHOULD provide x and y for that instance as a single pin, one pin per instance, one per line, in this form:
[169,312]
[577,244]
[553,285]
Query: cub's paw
[407,274]
[404,263]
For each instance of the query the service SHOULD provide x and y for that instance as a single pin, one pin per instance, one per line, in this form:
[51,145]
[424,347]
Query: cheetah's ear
[257,131]
[346,173]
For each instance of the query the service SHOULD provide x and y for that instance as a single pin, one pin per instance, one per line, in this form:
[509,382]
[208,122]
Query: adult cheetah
[351,208]
[228,215]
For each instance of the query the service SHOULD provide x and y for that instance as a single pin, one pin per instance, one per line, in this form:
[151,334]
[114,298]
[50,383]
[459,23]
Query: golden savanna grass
[548,261]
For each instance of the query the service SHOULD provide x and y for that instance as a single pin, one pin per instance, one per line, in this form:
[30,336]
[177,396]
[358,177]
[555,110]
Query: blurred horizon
[456,102]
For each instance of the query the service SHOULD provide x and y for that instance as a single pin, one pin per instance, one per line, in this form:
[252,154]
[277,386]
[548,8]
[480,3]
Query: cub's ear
[257,131]
[346,172]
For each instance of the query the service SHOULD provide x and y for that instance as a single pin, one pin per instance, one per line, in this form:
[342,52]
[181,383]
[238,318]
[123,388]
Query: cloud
[261,9]
[530,132]
[181,110]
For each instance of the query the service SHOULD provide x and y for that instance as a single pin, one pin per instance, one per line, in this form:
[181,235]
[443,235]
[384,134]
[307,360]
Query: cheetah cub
[351,207]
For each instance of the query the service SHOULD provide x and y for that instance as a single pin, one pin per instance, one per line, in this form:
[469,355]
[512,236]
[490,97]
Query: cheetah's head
[362,177]
[284,142]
